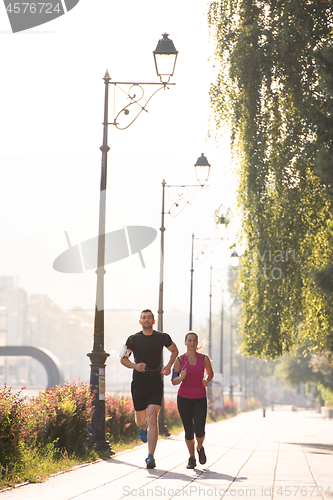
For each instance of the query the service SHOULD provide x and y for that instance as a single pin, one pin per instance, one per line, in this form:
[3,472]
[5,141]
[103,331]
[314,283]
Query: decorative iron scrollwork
[184,199]
[136,95]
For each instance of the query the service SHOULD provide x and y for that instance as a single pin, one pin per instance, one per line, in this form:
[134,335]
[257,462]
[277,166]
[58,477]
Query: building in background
[37,321]
[13,325]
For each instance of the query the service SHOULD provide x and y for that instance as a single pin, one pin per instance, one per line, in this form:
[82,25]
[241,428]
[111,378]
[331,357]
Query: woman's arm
[209,371]
[177,379]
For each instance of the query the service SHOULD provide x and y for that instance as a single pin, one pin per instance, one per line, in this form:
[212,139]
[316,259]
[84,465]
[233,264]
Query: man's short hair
[147,311]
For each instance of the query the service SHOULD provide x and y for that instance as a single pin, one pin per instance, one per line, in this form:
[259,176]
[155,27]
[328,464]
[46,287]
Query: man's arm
[174,353]
[125,361]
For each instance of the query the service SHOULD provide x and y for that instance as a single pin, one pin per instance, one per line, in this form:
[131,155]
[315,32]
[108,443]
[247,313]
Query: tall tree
[269,91]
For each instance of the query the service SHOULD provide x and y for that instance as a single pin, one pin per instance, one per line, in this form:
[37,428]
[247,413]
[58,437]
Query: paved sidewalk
[286,454]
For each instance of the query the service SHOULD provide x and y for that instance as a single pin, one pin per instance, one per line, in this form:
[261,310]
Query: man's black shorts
[149,393]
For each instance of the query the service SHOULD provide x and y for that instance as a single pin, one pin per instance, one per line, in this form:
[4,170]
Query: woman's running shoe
[191,463]
[202,455]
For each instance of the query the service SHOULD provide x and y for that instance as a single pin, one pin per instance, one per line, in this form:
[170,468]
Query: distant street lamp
[202,169]
[165,56]
[234,259]
[221,348]
[234,265]
[221,226]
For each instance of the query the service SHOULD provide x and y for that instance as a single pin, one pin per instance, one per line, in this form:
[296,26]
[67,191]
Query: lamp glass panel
[221,228]
[165,64]
[202,173]
[234,260]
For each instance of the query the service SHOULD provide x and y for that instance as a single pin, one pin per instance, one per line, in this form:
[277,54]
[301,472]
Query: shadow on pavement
[317,446]
[209,474]
[160,473]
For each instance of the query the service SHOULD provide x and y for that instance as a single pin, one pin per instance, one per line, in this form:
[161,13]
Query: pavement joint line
[253,443]
[276,464]
[124,475]
[229,449]
[248,458]
[25,483]
[307,461]
[322,444]
[151,481]
[166,472]
[84,465]
[183,462]
[136,467]
[80,466]
[129,473]
[108,482]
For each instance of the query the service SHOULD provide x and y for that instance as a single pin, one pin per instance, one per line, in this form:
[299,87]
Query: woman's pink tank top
[191,386]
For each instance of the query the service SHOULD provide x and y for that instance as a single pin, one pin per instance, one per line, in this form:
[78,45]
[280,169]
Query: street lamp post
[165,56]
[234,264]
[163,430]
[191,286]
[231,387]
[210,388]
[202,169]
[221,350]
[221,227]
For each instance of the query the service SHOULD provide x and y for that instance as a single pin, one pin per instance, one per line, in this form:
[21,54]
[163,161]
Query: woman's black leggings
[193,413]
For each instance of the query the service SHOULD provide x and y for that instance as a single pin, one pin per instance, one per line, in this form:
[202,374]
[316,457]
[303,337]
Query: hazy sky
[51,104]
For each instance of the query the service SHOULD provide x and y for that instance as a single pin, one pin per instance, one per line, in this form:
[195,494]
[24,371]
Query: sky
[52,101]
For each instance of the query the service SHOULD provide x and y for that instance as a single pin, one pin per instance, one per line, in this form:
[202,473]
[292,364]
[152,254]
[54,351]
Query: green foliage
[58,416]
[230,409]
[10,427]
[171,414]
[36,464]
[252,403]
[274,90]
[324,279]
[38,435]
[302,366]
[120,419]
[327,396]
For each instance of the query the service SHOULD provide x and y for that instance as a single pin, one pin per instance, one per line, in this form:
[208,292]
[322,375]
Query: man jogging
[147,384]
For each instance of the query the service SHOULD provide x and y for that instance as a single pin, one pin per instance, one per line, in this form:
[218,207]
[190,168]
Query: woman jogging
[189,371]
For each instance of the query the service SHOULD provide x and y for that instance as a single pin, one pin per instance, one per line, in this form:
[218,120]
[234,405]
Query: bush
[171,415]
[120,419]
[53,426]
[252,403]
[59,416]
[10,427]
[327,395]
[230,407]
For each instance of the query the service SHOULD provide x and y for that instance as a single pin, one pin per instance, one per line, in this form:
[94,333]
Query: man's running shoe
[202,455]
[191,463]
[150,462]
[143,435]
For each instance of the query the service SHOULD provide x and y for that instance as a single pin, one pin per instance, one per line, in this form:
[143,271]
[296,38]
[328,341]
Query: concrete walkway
[285,454]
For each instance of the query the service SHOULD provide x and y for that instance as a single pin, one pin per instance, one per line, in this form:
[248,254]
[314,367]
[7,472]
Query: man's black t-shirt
[148,349]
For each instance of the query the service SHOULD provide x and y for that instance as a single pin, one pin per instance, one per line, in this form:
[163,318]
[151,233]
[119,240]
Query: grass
[37,465]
